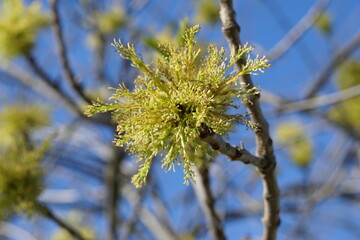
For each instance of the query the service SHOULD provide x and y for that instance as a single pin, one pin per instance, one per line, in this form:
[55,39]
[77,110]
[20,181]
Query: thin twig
[42,87]
[340,56]
[279,102]
[100,58]
[99,50]
[130,224]
[69,74]
[159,205]
[271,219]
[148,219]
[323,100]
[234,153]
[46,212]
[285,23]
[113,182]
[298,30]
[51,83]
[207,202]
[333,175]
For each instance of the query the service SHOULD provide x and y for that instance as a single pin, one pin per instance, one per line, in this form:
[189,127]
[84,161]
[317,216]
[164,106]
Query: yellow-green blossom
[21,174]
[19,26]
[207,12]
[172,98]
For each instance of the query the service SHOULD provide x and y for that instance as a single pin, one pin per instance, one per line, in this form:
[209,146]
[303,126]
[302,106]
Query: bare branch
[279,102]
[51,83]
[159,231]
[129,225]
[298,30]
[285,23]
[323,100]
[69,74]
[234,153]
[46,212]
[113,178]
[44,88]
[340,56]
[159,204]
[264,144]
[207,202]
[91,8]
[100,59]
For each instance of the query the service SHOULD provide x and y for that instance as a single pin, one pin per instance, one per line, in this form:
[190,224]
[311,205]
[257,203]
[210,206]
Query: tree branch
[50,83]
[233,152]
[150,221]
[129,225]
[312,103]
[46,212]
[339,57]
[285,23]
[279,102]
[69,74]
[264,143]
[44,88]
[113,182]
[297,31]
[91,8]
[206,200]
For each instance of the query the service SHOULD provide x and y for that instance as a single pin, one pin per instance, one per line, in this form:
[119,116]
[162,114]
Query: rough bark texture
[264,142]
[234,153]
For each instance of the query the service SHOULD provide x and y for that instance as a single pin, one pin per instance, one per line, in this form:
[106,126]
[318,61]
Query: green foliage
[347,112]
[324,23]
[20,118]
[207,12]
[20,161]
[297,143]
[107,23]
[19,26]
[172,98]
[20,179]
[348,74]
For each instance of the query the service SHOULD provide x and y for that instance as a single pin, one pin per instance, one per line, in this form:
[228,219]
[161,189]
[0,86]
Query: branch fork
[234,153]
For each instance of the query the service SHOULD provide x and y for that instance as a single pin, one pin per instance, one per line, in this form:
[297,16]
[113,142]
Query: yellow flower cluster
[172,98]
